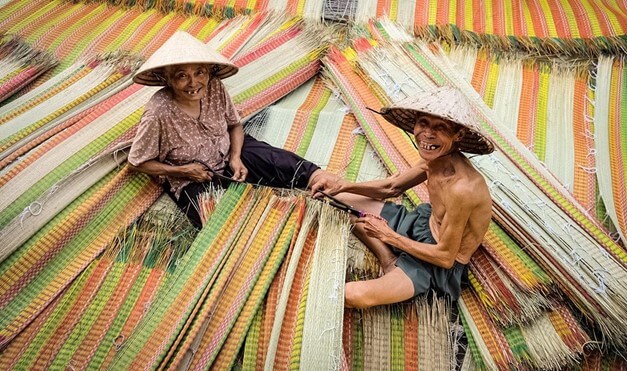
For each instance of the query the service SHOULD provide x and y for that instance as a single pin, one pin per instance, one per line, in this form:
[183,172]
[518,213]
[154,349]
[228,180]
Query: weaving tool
[215,173]
[342,206]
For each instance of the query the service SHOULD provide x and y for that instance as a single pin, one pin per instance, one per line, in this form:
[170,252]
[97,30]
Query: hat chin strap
[453,150]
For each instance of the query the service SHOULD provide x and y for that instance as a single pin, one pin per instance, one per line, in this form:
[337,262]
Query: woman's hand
[239,170]
[196,172]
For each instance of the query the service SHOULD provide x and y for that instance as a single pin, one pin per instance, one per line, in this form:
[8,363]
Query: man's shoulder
[471,187]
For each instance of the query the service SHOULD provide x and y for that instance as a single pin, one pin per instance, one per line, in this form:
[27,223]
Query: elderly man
[426,249]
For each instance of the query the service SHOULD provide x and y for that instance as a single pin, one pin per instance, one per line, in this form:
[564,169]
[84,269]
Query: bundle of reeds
[21,64]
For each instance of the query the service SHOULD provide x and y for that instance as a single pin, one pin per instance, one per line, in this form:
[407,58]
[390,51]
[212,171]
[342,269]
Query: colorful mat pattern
[82,285]
[51,259]
[568,26]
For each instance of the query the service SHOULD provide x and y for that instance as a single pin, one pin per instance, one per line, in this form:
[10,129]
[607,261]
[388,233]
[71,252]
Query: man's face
[188,81]
[435,136]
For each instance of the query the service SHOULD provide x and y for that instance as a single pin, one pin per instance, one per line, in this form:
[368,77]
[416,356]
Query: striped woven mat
[88,323]
[554,25]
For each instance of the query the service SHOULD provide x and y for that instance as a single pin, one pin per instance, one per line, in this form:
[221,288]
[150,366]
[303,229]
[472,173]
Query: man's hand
[239,170]
[376,227]
[196,172]
[322,180]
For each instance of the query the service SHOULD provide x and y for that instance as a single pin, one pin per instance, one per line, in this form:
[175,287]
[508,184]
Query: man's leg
[362,203]
[381,251]
[393,287]
[368,205]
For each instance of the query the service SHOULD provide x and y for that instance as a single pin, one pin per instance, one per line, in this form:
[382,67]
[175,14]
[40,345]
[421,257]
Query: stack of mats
[509,288]
[559,26]
[547,26]
[85,325]
[281,56]
[224,8]
[299,327]
[568,113]
[41,267]
[152,300]
[220,284]
[416,335]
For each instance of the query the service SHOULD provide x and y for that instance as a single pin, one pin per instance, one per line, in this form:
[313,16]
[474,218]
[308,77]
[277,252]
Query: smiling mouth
[193,92]
[429,147]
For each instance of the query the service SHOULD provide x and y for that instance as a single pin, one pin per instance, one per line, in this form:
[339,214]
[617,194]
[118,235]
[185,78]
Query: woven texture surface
[83,286]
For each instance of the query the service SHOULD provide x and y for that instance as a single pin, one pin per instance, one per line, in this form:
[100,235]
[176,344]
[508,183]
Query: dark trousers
[267,165]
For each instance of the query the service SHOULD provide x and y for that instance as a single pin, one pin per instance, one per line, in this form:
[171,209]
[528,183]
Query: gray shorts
[425,276]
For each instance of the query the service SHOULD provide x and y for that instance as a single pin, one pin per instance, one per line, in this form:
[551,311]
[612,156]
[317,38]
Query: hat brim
[405,119]
[156,76]
[180,49]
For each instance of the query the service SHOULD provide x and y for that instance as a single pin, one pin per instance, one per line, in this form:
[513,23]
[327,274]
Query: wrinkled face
[436,136]
[188,81]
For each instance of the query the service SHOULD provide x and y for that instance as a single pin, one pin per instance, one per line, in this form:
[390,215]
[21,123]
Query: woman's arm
[236,135]
[193,171]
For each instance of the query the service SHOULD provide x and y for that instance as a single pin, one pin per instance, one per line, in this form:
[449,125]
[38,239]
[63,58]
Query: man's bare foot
[388,265]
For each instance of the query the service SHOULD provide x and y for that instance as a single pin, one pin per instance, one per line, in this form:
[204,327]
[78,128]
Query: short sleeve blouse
[169,135]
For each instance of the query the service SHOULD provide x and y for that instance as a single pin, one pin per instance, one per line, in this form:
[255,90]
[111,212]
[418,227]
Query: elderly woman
[190,134]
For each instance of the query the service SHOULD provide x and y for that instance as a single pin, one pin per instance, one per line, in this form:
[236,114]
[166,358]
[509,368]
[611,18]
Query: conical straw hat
[445,102]
[181,48]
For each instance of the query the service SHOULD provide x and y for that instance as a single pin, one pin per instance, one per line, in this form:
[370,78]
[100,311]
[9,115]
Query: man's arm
[379,189]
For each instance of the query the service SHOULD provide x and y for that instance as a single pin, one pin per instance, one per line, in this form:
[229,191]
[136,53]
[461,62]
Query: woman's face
[188,81]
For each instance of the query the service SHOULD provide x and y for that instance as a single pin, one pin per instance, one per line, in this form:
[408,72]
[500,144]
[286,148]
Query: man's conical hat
[182,48]
[445,102]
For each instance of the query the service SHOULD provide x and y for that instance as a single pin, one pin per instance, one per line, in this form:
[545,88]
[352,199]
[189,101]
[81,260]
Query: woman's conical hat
[445,102]
[182,48]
